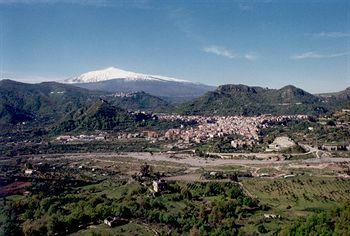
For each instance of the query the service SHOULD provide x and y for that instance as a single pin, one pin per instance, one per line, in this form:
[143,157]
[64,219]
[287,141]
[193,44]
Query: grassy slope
[304,194]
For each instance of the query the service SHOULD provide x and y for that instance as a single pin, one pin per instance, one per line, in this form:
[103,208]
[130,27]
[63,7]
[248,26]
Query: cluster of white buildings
[206,128]
[124,94]
[80,138]
[219,126]
[145,134]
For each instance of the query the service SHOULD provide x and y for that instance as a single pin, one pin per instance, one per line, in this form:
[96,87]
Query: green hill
[104,116]
[343,95]
[337,100]
[46,102]
[99,116]
[245,100]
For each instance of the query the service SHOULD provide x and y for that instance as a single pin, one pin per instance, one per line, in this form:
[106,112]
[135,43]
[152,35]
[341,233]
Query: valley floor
[285,189]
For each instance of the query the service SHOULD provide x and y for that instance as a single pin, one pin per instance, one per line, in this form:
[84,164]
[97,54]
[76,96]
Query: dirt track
[202,162]
[187,159]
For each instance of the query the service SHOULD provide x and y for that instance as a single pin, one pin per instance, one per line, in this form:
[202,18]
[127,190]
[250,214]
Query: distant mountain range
[244,100]
[54,103]
[116,80]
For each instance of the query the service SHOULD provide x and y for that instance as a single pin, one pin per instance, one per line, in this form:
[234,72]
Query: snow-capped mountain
[115,73]
[114,80]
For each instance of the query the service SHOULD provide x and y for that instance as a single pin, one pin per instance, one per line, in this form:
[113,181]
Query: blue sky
[266,43]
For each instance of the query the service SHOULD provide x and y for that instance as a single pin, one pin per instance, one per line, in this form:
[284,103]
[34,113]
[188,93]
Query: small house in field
[280,143]
[159,186]
[112,221]
[334,147]
[272,216]
[28,171]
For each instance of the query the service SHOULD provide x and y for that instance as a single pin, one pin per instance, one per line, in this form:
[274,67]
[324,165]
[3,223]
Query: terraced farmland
[300,195]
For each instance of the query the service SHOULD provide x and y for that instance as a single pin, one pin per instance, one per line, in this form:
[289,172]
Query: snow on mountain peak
[115,73]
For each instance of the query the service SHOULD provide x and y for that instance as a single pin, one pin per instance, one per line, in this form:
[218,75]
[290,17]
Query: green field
[300,195]
[293,198]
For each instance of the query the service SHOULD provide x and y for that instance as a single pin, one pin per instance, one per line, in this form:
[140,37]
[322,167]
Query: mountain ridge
[49,102]
[112,80]
[232,99]
[43,100]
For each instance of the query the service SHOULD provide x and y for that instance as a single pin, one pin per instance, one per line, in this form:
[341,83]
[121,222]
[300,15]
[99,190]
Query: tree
[145,170]
[186,193]
[234,192]
[55,225]
[262,229]
[194,231]
[213,189]
[233,177]
[10,225]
